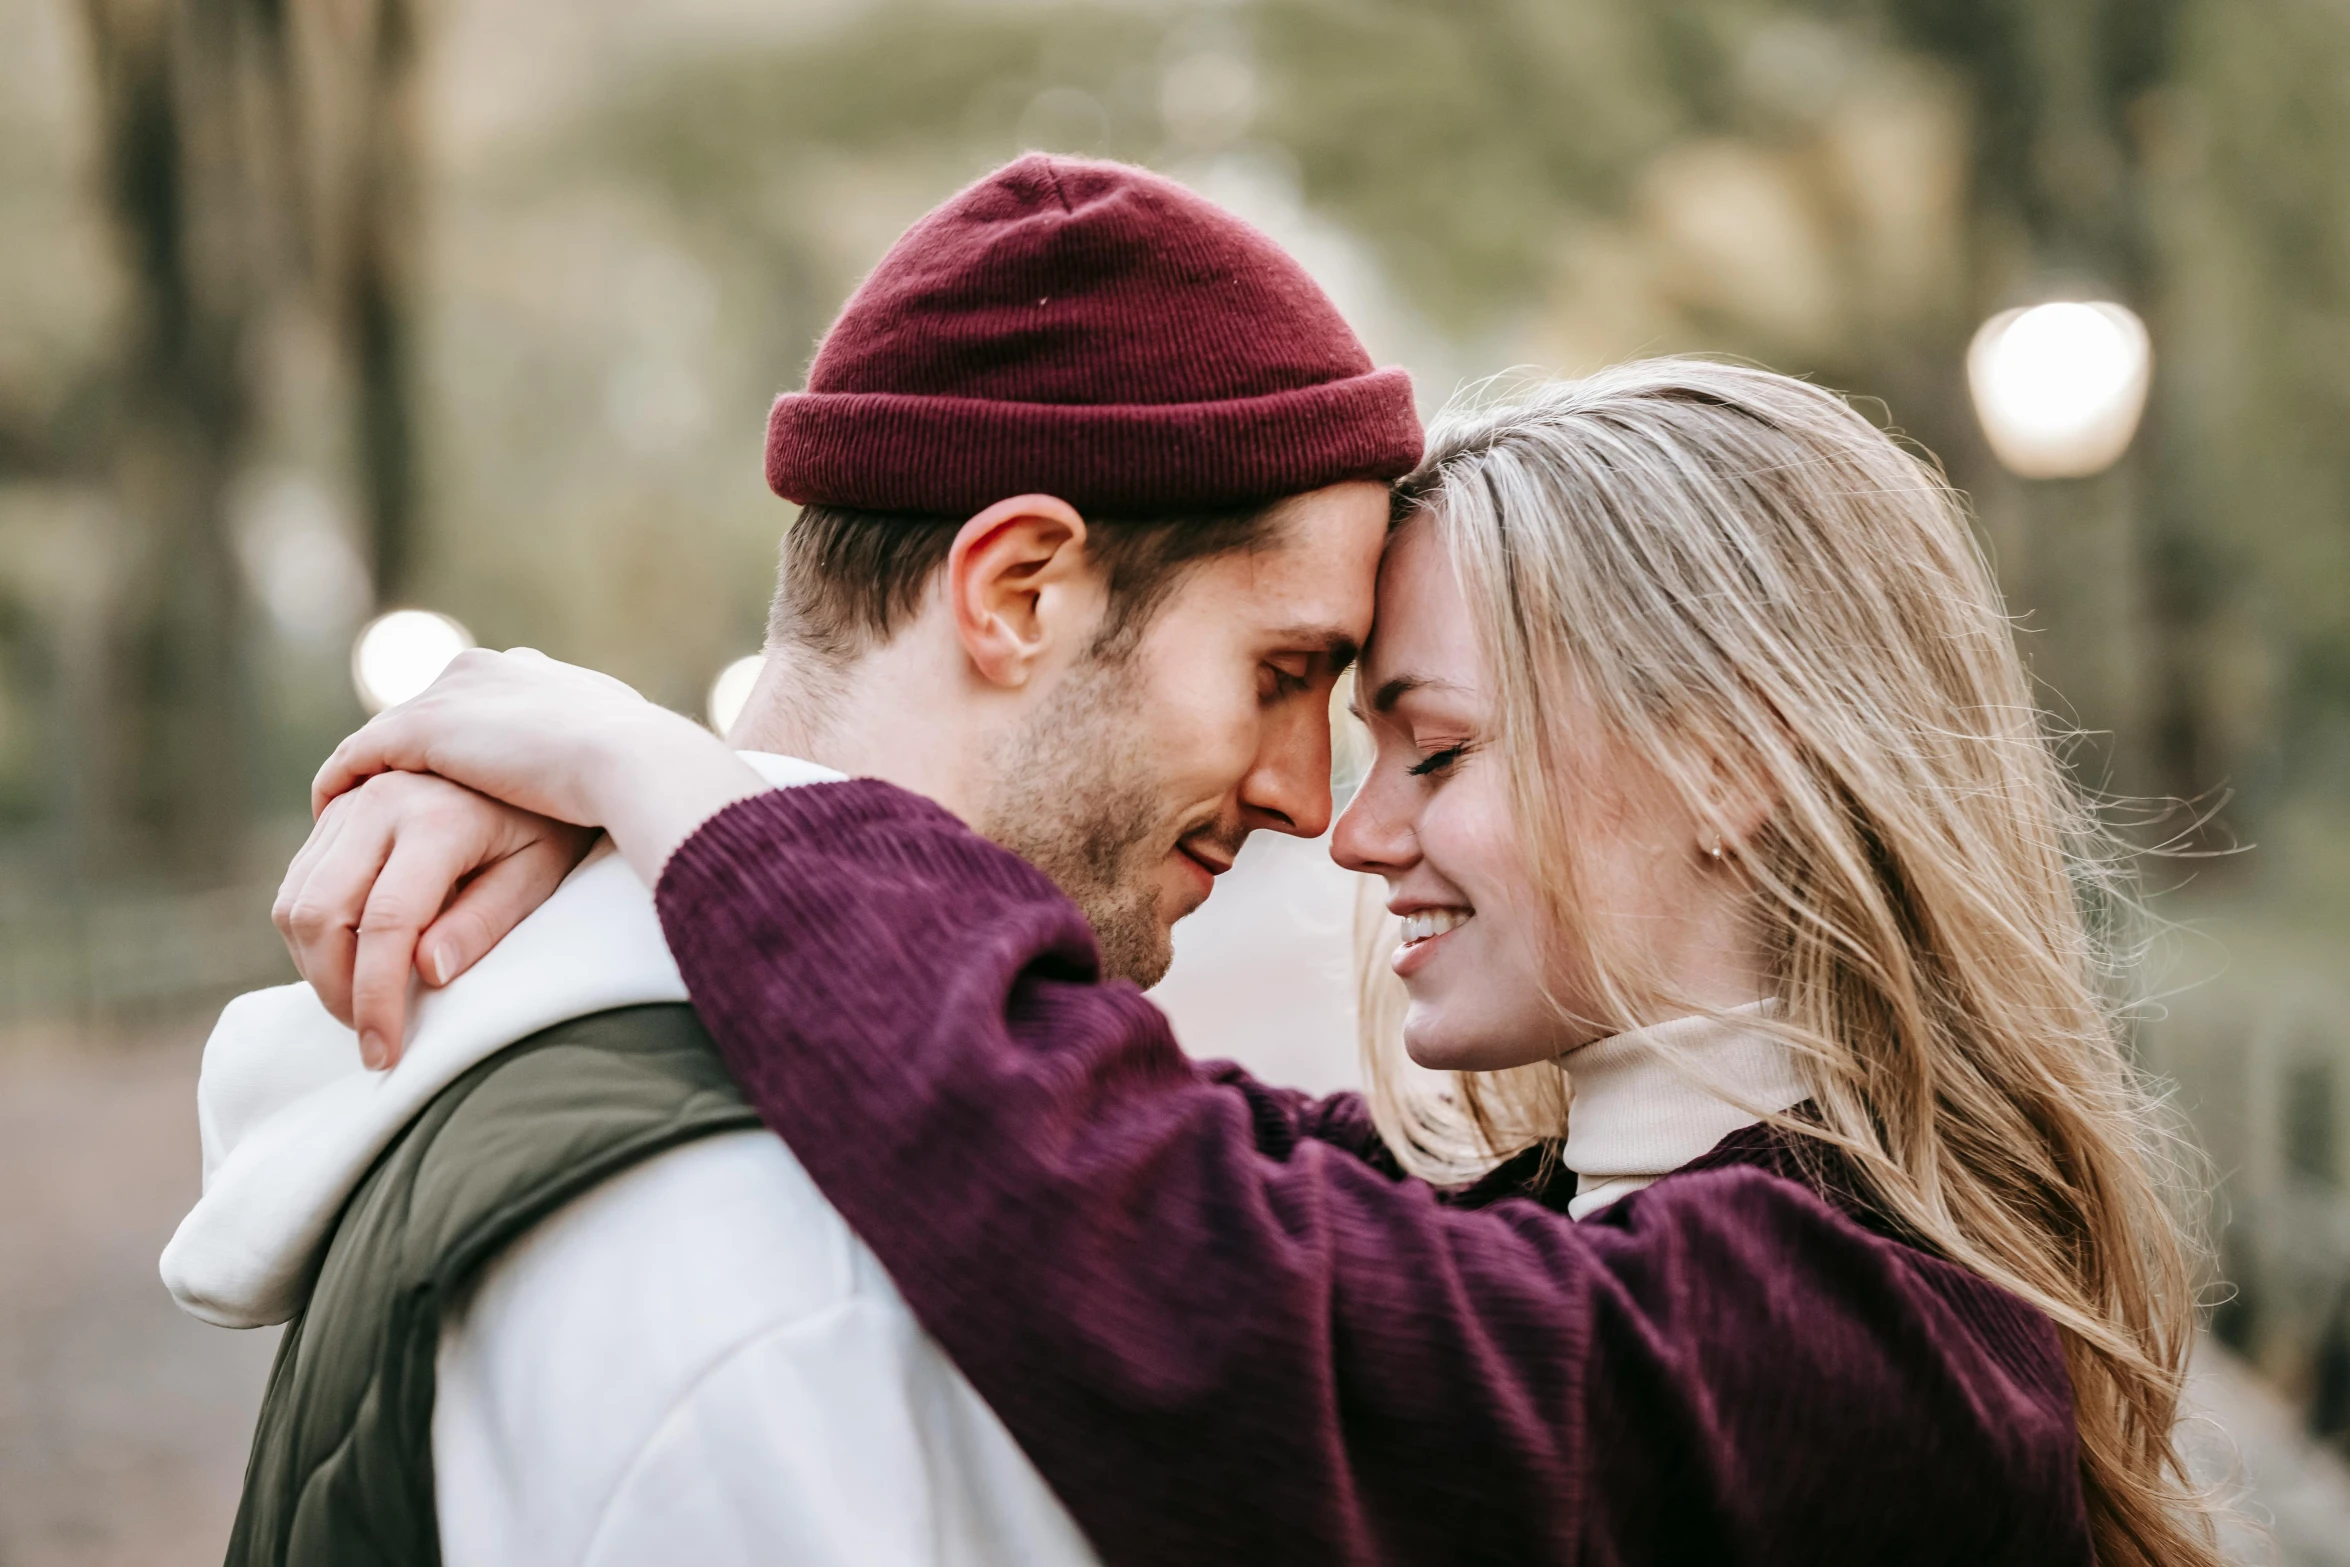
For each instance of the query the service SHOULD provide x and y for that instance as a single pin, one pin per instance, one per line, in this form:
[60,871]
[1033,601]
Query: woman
[1710,794]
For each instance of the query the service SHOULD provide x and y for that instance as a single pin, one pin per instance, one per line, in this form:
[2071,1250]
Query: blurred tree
[2061,195]
[2247,150]
[172,729]
[750,146]
[258,159]
[369,231]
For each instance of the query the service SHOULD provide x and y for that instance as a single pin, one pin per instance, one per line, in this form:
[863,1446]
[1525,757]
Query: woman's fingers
[370,749]
[377,870]
[496,899]
[321,918]
[283,913]
[430,857]
[552,741]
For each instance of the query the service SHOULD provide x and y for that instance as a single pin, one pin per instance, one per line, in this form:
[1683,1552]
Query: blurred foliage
[604,289]
[249,159]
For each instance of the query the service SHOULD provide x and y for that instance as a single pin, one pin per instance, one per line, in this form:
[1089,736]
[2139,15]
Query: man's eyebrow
[1335,643]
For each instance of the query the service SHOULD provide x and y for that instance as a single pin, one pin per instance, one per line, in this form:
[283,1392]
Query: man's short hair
[851,580]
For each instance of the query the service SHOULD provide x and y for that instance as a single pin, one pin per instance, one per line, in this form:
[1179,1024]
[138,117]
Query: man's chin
[1133,936]
[1140,957]
[1152,953]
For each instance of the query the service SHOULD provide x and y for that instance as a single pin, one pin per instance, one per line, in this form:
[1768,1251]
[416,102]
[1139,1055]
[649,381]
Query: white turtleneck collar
[1637,1116]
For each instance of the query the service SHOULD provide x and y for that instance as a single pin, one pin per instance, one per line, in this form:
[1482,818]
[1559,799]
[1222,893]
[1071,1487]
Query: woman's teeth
[1428,924]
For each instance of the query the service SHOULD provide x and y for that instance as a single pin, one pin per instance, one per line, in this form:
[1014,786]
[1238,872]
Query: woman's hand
[558,751]
[558,741]
[409,870]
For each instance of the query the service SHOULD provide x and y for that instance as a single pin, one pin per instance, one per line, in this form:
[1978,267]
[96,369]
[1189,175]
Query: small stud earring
[1714,851]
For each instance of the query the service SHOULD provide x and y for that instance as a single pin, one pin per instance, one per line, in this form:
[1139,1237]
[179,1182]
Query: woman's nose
[1373,835]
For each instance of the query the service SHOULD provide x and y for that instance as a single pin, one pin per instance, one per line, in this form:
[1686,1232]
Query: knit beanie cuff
[956,456]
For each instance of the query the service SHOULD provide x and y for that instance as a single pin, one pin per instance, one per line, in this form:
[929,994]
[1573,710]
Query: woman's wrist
[559,741]
[654,782]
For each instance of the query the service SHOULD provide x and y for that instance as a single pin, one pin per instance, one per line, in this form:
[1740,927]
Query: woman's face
[1433,819]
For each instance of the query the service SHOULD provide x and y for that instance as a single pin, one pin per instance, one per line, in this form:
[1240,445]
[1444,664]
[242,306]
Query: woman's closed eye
[1437,763]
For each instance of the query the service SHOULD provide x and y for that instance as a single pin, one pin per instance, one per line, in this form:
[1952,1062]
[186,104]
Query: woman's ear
[1744,799]
[1020,587]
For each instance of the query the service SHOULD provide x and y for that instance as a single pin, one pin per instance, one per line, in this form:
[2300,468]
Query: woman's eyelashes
[1437,763]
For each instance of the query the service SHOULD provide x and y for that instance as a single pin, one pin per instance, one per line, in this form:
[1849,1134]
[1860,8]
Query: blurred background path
[123,1423]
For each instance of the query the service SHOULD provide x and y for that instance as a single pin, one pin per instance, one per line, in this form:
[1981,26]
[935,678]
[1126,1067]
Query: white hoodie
[694,1362]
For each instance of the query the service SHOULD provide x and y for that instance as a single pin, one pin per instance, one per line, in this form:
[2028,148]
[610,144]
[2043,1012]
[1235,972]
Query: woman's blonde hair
[1751,589]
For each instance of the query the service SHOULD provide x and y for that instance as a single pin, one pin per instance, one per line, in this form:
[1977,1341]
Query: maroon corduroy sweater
[1227,1330]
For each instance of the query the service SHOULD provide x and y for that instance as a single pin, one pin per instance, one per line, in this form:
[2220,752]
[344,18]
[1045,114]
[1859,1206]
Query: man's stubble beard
[1075,793]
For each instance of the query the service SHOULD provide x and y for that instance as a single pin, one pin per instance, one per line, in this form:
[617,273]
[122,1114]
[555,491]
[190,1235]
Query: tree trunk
[246,176]
[171,784]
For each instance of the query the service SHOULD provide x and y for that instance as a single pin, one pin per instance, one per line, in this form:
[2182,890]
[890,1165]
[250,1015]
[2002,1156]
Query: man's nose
[1288,789]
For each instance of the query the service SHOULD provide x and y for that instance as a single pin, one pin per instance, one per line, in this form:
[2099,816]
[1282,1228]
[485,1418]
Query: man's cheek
[1229,741]
[1194,763]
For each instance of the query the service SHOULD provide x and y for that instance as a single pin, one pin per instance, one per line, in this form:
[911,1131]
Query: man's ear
[1020,586]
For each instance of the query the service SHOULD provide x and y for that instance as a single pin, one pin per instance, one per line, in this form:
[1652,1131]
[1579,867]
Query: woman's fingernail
[371,1050]
[435,965]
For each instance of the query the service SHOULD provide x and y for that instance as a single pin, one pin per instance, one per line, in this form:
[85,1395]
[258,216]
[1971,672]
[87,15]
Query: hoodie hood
[291,1122]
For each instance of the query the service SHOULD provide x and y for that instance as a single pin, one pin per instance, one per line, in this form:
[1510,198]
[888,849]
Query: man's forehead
[1304,604]
[1319,570]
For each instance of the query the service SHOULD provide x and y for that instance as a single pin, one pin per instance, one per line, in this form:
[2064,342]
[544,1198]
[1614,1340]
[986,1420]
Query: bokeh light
[296,548]
[2060,387]
[400,653]
[732,689]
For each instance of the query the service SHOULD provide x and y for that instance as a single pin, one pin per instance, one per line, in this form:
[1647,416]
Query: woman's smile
[1423,931]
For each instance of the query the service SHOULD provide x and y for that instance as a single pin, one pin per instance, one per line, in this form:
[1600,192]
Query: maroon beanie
[1091,331]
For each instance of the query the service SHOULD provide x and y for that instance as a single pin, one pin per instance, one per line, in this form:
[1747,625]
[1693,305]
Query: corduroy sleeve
[1221,1340]
[1284,1117]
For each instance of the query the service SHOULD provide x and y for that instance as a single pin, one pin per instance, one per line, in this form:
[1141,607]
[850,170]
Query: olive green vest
[341,1472]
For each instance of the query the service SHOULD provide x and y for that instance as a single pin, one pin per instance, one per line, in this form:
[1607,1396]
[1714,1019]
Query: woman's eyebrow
[1395,690]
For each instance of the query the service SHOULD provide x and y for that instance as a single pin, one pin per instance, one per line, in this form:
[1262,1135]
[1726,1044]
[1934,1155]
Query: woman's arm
[1213,1352]
[408,869]
[1284,1117]
[1220,1343]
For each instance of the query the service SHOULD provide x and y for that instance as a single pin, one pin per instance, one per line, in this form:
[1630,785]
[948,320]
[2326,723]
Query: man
[1093,483]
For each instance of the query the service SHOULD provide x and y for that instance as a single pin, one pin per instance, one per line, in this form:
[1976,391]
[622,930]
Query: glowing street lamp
[2060,387]
[732,689]
[399,654]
